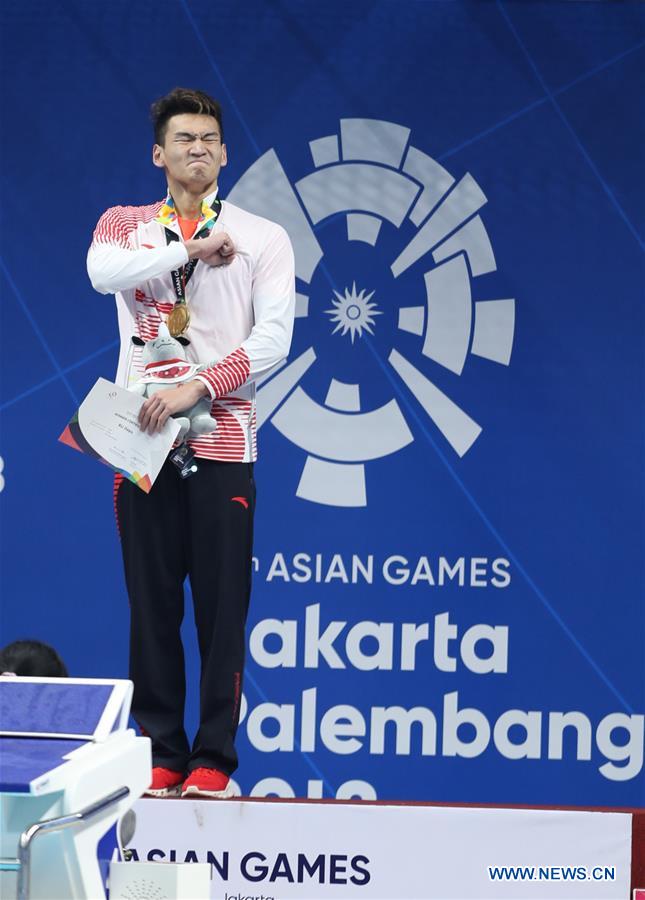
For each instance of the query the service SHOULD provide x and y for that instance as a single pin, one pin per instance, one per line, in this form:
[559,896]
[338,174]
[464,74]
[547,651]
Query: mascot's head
[163,347]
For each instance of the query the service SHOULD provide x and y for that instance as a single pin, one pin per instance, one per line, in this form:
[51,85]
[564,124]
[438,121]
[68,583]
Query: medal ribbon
[181,277]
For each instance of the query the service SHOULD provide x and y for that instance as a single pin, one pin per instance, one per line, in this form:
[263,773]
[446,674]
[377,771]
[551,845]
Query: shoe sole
[193,791]
[161,793]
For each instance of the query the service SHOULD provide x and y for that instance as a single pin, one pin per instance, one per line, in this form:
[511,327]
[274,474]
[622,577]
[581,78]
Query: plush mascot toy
[166,366]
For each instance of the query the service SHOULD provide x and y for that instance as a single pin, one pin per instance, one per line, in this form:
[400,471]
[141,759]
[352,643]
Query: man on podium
[224,280]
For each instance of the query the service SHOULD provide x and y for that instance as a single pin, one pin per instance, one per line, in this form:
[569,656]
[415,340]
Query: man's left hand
[157,409]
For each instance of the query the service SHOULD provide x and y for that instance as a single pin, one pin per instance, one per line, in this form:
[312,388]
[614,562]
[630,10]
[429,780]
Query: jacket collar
[167,215]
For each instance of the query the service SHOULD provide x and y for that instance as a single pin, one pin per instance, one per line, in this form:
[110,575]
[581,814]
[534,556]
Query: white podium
[69,770]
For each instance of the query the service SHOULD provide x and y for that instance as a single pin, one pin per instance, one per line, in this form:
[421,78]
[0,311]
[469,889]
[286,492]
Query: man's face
[192,152]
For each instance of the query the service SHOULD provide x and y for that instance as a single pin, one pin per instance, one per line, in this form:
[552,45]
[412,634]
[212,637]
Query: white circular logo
[388,245]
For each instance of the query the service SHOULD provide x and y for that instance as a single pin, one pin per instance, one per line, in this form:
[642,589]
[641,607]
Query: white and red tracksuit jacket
[241,315]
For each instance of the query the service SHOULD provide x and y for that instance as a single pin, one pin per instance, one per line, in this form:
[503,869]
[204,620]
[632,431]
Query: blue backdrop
[448,596]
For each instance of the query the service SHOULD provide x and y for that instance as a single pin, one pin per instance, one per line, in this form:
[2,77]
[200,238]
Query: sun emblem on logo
[353,312]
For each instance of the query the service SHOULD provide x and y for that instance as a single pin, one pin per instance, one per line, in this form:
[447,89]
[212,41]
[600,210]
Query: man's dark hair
[178,102]
[32,658]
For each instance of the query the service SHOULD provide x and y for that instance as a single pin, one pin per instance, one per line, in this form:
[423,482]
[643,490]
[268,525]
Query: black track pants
[200,527]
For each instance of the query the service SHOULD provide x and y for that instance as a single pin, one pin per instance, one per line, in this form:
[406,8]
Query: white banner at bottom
[277,850]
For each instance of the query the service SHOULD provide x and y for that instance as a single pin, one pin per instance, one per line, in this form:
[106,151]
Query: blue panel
[52,708]
[24,759]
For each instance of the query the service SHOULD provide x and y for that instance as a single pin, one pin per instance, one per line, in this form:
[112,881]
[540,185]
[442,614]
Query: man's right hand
[215,250]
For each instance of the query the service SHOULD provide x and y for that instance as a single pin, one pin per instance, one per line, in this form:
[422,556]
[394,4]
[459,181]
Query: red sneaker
[207,783]
[165,783]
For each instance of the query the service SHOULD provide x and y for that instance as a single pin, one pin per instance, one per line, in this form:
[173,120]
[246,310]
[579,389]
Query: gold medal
[178,319]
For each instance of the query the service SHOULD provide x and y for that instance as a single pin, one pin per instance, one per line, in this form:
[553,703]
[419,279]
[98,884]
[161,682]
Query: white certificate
[106,427]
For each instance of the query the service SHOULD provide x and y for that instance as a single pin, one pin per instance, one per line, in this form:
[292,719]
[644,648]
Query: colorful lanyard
[179,316]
